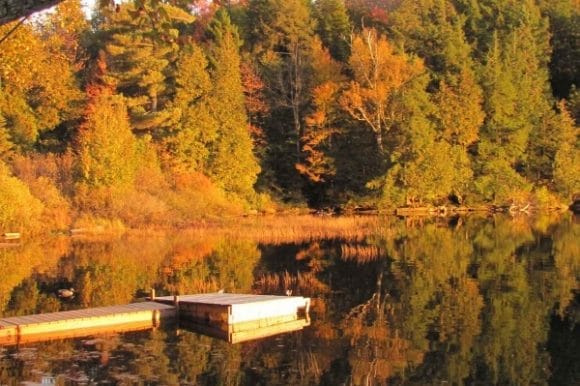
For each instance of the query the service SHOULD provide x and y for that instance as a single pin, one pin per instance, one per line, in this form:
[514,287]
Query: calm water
[464,301]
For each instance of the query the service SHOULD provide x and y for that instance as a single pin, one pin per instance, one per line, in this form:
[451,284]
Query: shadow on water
[467,301]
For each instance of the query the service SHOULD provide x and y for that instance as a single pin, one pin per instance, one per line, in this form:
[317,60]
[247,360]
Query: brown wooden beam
[11,10]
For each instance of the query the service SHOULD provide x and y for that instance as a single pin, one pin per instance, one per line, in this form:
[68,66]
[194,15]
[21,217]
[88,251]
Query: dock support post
[156,319]
[176,304]
[307,309]
[152,296]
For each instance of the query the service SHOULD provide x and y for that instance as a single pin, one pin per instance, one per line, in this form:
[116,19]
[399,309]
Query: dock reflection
[230,334]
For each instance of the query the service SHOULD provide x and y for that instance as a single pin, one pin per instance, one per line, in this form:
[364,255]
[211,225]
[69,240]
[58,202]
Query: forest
[171,112]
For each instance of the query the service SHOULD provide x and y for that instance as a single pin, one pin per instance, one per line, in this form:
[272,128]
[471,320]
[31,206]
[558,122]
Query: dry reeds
[285,229]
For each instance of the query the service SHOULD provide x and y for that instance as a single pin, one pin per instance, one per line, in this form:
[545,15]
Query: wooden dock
[233,317]
[67,324]
[239,312]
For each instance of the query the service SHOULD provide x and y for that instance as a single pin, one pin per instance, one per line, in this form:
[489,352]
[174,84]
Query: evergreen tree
[544,142]
[189,140]
[281,39]
[423,168]
[564,16]
[232,164]
[567,159]
[142,50]
[573,104]
[433,30]
[504,136]
[333,27]
[515,83]
[488,20]
[459,109]
[285,34]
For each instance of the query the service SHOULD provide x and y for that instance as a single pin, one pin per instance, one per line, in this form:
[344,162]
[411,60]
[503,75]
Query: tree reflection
[19,264]
[471,300]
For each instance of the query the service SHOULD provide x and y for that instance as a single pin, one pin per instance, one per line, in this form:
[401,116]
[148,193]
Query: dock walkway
[31,328]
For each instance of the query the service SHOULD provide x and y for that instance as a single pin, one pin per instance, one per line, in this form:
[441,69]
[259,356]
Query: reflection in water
[476,301]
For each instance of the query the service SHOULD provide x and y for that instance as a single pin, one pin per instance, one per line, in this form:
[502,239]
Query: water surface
[443,301]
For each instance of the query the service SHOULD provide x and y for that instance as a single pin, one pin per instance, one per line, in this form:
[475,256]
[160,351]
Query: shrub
[57,211]
[544,199]
[141,209]
[196,197]
[19,209]
[45,175]
[90,224]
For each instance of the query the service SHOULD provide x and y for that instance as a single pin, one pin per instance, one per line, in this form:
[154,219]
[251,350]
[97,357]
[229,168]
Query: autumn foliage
[162,113]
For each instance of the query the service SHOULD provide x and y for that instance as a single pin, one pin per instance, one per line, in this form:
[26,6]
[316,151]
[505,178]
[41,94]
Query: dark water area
[475,301]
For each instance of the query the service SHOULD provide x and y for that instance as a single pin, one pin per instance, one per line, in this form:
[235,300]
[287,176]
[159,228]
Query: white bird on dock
[288,292]
[66,293]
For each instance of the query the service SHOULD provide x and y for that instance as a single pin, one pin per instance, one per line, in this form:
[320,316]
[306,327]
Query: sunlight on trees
[251,106]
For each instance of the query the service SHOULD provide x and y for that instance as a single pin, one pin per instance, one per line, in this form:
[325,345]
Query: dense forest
[167,112]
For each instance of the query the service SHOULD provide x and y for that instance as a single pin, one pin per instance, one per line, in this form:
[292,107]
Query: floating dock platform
[232,317]
[238,312]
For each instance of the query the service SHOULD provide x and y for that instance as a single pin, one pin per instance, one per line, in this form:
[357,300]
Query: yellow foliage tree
[379,75]
[106,145]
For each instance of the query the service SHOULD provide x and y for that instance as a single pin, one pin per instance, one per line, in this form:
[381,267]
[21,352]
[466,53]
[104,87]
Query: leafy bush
[195,197]
[19,209]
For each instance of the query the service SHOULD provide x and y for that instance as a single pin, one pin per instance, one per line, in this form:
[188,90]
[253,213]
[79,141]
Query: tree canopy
[268,102]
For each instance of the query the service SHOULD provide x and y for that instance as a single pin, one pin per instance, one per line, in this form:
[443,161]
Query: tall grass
[285,229]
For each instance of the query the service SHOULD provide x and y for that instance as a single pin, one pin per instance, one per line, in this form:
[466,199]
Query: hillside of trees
[165,113]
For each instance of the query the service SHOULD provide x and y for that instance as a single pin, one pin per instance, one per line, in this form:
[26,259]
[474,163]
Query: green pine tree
[142,51]
[196,128]
[567,159]
[333,27]
[232,164]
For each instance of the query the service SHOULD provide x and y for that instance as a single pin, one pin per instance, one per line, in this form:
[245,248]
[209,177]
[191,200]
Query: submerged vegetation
[170,113]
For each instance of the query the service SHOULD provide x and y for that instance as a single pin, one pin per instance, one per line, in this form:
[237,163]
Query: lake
[471,300]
